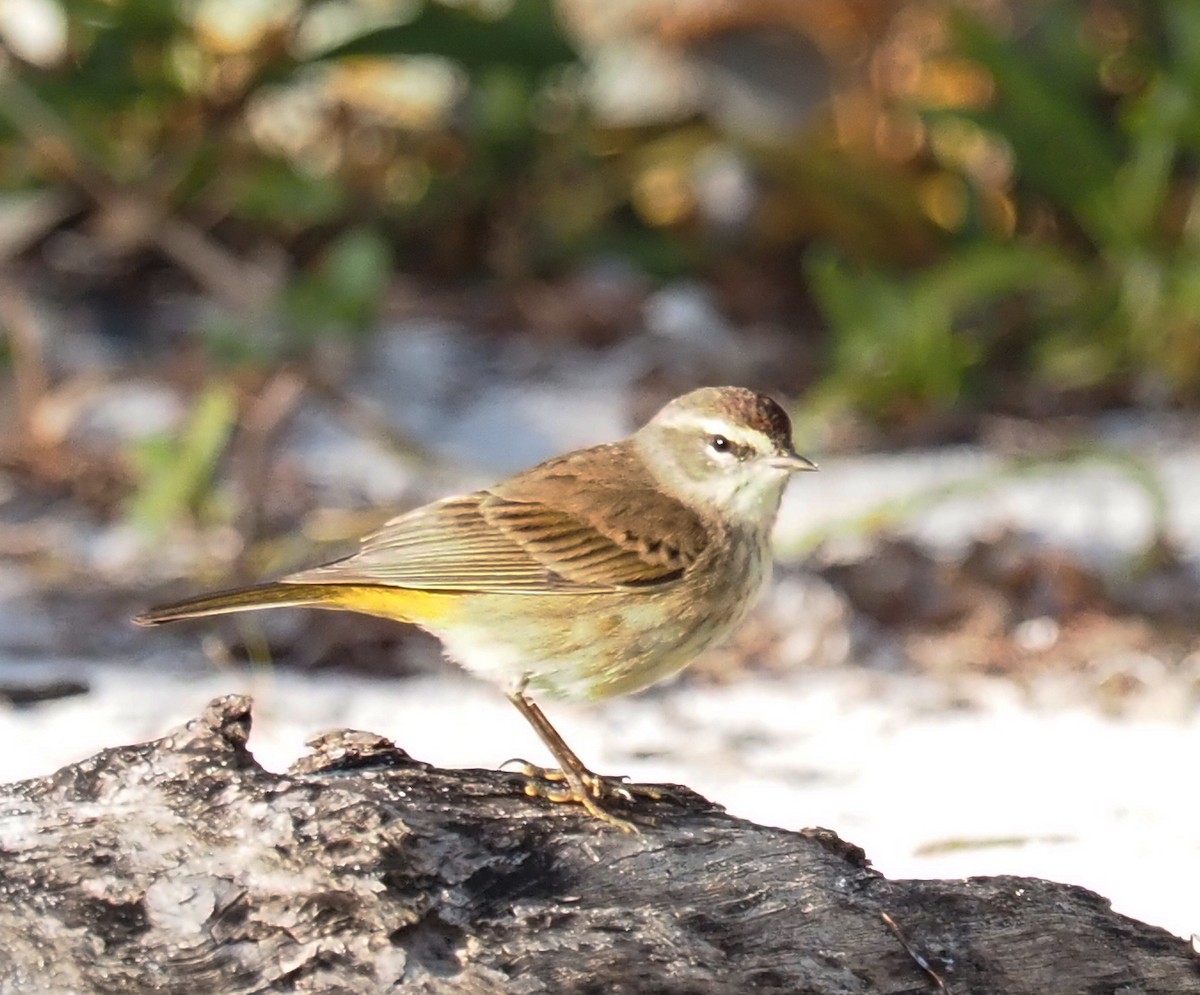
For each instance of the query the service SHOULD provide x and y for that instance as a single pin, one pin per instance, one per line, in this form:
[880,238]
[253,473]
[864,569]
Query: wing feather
[549,530]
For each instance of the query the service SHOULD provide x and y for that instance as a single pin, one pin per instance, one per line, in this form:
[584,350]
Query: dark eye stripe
[721,444]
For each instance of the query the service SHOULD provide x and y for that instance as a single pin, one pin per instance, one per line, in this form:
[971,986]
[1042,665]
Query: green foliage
[342,291]
[285,143]
[525,38]
[1106,289]
[1045,107]
[337,295]
[175,475]
[913,341]
[271,192]
[1092,280]
[1124,178]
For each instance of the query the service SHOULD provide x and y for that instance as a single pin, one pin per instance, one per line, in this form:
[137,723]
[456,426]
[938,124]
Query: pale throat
[751,498]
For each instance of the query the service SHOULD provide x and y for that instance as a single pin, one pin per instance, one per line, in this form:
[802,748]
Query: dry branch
[181,866]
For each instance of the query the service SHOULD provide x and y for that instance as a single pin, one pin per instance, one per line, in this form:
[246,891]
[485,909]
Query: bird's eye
[719,444]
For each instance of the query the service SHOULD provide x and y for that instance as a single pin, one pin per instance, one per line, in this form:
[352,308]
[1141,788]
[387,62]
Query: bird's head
[723,450]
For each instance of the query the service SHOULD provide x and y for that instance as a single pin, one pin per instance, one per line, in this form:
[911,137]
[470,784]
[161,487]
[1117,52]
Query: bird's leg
[579,785]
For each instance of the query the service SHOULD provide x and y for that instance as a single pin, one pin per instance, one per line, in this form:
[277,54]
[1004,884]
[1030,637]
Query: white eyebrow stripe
[719,426]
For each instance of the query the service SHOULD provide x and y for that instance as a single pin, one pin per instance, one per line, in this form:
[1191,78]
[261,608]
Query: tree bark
[181,866]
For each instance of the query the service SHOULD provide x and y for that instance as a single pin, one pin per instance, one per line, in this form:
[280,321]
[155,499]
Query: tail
[238,600]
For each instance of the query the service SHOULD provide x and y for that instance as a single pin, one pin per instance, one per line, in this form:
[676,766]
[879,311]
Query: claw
[557,786]
[536,773]
[528,769]
[571,794]
[571,782]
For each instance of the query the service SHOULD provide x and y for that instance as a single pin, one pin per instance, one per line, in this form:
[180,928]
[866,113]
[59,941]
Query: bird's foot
[600,785]
[583,787]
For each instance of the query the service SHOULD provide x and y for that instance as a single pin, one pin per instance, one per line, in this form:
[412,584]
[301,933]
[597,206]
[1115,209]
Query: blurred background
[274,270]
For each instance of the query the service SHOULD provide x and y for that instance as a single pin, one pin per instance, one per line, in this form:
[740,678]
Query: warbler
[593,574]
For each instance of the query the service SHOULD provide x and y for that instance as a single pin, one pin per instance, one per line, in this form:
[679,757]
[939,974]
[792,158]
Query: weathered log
[182,866]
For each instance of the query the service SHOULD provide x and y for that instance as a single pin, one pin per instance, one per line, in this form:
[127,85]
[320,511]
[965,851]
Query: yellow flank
[404,604]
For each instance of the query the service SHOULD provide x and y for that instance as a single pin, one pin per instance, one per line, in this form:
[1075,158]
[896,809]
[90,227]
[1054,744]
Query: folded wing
[545,531]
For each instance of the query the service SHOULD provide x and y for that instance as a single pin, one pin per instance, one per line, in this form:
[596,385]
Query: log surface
[182,866]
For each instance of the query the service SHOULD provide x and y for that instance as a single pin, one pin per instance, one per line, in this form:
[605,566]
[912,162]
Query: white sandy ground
[932,781]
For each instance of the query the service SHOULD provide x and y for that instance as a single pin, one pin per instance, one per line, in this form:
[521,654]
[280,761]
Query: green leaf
[901,338]
[1143,181]
[527,36]
[271,191]
[343,293]
[1048,116]
[176,474]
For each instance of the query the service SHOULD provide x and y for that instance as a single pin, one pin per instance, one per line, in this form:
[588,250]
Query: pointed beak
[792,462]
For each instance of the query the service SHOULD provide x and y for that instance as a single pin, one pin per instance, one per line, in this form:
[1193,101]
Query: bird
[594,574]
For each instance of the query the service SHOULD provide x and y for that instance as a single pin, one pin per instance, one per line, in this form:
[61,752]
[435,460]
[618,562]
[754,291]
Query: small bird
[593,574]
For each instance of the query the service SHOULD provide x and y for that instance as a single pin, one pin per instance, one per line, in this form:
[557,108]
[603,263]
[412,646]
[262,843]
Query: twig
[261,420]
[132,216]
[365,418]
[28,357]
[918,958]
